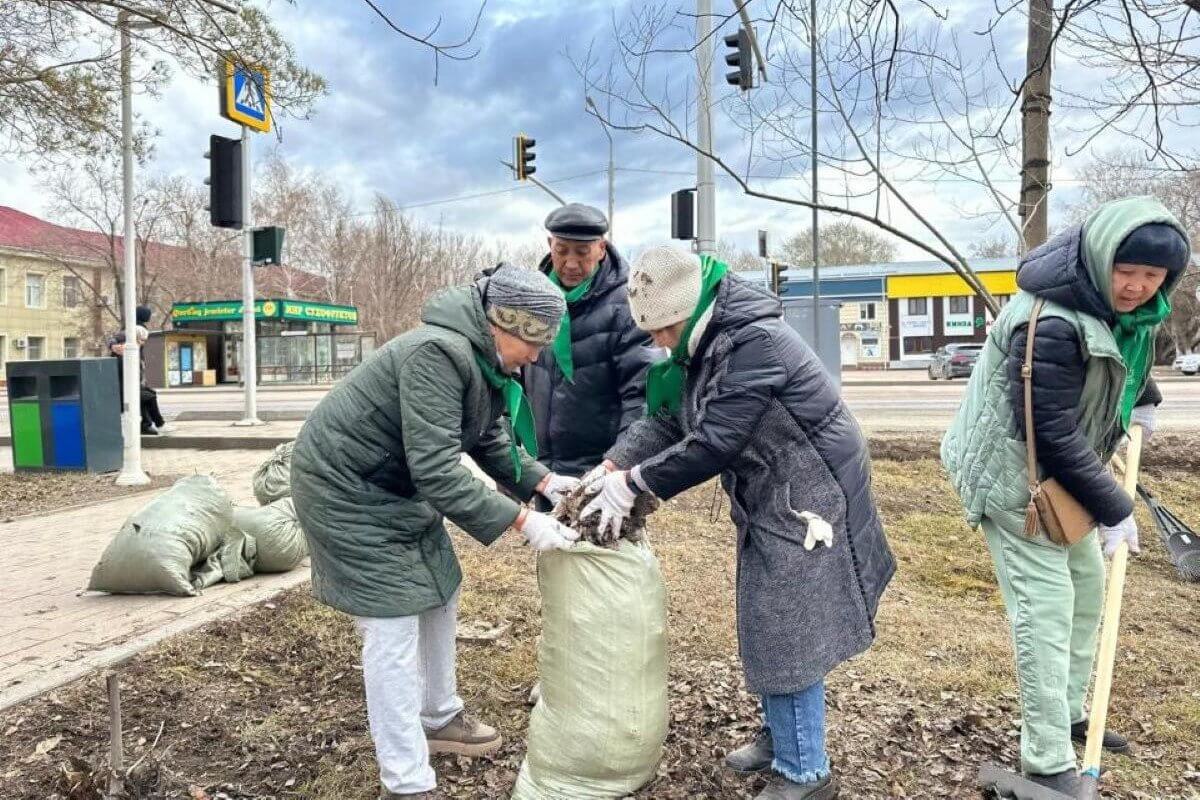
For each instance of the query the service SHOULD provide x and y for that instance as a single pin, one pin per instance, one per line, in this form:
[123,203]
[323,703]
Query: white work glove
[1144,416]
[615,502]
[544,532]
[598,473]
[1124,531]
[555,487]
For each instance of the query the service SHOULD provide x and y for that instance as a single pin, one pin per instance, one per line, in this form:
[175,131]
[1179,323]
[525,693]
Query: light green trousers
[1054,596]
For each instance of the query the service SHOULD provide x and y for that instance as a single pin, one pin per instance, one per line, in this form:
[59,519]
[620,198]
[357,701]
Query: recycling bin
[65,415]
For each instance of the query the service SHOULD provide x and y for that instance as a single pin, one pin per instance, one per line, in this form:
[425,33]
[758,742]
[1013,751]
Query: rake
[1182,543]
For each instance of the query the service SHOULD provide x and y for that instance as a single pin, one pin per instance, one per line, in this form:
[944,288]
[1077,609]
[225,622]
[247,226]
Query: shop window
[918,344]
[866,311]
[960,305]
[918,306]
[71,347]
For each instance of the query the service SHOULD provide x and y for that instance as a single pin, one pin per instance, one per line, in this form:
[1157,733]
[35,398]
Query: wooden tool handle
[1107,656]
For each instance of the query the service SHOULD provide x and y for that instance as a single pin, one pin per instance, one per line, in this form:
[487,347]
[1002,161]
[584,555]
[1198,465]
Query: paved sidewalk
[50,635]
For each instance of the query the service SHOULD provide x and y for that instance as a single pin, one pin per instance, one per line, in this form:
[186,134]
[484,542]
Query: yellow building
[48,291]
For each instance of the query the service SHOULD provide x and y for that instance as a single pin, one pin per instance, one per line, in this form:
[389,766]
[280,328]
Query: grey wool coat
[760,411]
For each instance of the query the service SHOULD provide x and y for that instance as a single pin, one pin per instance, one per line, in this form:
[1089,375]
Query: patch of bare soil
[25,493]
[270,705]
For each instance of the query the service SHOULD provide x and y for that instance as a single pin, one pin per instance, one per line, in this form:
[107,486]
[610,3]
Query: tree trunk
[1035,125]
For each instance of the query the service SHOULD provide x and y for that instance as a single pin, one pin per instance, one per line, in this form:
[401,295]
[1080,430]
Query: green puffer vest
[983,451]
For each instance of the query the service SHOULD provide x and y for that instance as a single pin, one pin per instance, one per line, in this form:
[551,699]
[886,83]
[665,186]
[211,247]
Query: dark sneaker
[149,432]
[1113,742]
[780,788]
[464,736]
[754,757]
[1066,782]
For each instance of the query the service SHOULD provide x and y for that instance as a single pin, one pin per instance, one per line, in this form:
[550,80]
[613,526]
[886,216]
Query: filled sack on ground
[165,546]
[273,478]
[599,727]
[279,544]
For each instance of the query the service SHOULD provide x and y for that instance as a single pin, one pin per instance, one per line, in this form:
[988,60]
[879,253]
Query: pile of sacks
[192,536]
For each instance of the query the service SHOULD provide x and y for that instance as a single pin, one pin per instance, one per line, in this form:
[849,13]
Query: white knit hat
[664,287]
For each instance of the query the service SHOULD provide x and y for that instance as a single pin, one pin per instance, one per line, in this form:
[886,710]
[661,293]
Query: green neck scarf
[562,340]
[518,411]
[1134,333]
[664,380]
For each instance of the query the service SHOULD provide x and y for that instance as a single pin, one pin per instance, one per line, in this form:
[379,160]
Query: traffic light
[778,279]
[740,59]
[523,156]
[224,182]
[683,214]
[267,246]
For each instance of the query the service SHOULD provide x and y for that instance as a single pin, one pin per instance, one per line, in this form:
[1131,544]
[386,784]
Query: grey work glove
[1124,531]
[1144,416]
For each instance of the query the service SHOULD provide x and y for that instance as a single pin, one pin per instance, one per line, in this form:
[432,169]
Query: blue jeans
[797,725]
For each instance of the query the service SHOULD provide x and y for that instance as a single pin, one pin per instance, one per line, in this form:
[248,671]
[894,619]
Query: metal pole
[816,233]
[538,184]
[611,186]
[249,339]
[706,190]
[131,473]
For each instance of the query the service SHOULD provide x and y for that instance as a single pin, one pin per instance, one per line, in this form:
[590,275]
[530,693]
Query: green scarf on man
[518,411]
[665,380]
[1134,332]
[562,340]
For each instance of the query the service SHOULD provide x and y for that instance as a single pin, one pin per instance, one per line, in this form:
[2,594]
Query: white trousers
[408,669]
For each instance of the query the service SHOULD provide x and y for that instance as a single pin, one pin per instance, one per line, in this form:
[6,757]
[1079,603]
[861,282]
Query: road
[904,402]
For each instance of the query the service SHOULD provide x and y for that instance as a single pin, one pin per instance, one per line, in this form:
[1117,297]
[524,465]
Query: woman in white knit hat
[742,396]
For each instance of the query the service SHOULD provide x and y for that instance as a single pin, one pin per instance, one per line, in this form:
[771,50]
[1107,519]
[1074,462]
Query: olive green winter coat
[378,465]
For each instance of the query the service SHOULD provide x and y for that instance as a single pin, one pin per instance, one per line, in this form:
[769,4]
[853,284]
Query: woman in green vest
[1100,290]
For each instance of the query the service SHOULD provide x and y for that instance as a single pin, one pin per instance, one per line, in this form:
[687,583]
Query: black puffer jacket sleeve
[730,403]
[1062,449]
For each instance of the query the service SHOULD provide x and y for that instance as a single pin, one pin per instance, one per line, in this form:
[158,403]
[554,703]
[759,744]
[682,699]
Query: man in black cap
[589,385]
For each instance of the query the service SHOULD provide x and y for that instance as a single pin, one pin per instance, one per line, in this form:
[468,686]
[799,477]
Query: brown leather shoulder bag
[1051,508]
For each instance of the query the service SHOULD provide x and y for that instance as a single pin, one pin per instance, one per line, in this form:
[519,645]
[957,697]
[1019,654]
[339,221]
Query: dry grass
[276,696]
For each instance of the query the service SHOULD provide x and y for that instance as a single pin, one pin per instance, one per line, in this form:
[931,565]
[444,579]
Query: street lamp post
[611,170]
[131,473]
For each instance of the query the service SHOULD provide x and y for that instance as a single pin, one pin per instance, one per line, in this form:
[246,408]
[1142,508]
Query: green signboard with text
[231,311]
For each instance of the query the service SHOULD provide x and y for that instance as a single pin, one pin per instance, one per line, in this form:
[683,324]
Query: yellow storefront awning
[948,285]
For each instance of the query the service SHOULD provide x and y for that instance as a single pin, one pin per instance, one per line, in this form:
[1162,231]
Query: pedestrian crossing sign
[246,96]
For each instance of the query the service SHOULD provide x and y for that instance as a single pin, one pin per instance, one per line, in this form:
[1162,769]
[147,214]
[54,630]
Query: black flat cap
[577,221]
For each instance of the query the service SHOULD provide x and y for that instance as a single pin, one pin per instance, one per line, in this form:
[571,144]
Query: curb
[235,416]
[200,442]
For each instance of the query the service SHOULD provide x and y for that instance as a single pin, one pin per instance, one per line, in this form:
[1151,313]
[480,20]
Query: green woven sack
[599,728]
[273,479]
[278,540]
[165,546]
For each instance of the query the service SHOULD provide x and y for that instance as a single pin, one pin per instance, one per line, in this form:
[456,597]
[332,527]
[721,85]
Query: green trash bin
[65,415]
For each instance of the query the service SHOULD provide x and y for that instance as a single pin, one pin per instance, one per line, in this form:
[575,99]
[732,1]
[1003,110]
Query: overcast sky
[386,127]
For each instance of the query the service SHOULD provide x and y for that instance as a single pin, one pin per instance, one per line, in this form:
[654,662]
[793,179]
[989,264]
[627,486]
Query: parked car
[954,361]
[1188,364]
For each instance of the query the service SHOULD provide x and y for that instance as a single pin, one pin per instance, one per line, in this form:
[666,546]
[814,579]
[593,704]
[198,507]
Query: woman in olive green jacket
[379,464]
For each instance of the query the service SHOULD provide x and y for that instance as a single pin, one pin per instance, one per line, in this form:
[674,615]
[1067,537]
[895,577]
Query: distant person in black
[152,419]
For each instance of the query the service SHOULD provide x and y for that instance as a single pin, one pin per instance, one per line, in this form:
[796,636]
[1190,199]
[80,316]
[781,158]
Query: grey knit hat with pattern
[525,303]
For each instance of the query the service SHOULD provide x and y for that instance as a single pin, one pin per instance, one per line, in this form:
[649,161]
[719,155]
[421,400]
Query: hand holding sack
[544,532]
[615,504]
[1124,531]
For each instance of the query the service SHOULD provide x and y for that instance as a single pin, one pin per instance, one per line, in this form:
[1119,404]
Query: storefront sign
[962,326]
[916,326]
[859,327]
[320,312]
[231,311]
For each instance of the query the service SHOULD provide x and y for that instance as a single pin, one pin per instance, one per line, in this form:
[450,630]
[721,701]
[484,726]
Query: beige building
[47,308]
